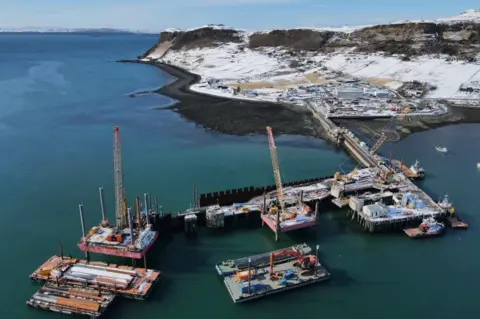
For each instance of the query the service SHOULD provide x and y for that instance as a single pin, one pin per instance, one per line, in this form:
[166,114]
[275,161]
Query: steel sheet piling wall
[240,195]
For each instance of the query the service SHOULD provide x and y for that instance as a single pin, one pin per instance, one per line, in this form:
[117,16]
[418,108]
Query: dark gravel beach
[240,117]
[231,116]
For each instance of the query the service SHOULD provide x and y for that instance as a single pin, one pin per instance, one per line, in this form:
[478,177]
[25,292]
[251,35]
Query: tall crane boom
[276,168]
[117,176]
[382,138]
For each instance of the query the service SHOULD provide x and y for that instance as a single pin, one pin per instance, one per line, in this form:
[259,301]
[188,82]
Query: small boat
[429,227]
[441,149]
[478,165]
[416,169]
[446,204]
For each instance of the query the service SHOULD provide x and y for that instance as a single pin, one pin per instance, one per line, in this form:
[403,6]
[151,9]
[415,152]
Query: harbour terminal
[380,195]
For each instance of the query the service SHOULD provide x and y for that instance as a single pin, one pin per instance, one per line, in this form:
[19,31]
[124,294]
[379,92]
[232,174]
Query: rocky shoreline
[241,117]
[232,116]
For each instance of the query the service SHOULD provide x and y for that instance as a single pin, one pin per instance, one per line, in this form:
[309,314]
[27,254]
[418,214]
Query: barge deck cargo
[261,279]
[129,282]
[85,302]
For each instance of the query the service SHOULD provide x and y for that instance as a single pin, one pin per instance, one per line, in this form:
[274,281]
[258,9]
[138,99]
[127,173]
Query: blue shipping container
[253,288]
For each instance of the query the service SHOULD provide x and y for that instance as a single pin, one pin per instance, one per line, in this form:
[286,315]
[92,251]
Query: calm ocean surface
[60,96]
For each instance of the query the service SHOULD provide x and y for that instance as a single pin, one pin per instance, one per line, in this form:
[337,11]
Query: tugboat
[446,204]
[416,169]
[429,227]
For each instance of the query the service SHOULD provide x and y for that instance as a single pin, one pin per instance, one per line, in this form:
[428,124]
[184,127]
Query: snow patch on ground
[225,62]
[447,76]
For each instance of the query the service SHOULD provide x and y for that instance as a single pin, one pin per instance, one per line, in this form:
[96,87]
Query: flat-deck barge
[126,281]
[261,275]
[457,223]
[84,302]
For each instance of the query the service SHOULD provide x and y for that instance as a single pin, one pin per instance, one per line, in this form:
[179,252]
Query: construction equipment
[303,261]
[117,171]
[382,138]
[276,169]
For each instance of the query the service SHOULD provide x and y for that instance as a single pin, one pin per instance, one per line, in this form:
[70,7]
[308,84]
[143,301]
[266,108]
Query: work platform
[86,302]
[259,281]
[98,242]
[126,281]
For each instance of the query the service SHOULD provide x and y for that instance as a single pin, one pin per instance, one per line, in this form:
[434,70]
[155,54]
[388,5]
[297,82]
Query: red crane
[303,261]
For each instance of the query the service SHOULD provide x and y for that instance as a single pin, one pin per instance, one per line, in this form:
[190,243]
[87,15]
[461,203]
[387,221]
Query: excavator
[304,262]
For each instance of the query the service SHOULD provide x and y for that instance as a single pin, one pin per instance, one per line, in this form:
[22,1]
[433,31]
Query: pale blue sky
[250,14]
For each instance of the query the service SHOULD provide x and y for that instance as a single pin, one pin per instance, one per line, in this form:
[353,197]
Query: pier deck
[63,299]
[129,282]
[262,284]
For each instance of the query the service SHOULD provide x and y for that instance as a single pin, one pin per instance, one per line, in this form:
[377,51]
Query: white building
[376,210]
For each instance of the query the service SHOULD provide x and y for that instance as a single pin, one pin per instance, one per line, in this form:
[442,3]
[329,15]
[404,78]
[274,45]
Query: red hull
[117,252]
[271,225]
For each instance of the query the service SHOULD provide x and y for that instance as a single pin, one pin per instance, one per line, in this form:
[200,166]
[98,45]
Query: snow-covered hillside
[272,68]
[445,53]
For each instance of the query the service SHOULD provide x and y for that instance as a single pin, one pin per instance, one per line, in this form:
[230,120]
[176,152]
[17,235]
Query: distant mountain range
[74,30]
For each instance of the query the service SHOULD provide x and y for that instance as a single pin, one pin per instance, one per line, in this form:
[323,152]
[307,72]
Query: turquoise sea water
[60,96]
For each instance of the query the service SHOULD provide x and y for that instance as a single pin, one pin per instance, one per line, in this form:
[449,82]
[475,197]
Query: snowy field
[229,64]
[447,76]
[271,71]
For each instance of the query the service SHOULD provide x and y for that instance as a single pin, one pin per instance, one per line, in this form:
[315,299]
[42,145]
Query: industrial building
[350,93]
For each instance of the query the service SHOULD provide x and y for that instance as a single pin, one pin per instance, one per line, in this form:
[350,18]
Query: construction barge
[265,274]
[63,299]
[130,236]
[125,281]
[456,223]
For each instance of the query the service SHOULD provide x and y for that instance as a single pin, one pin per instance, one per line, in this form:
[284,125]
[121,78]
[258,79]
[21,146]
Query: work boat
[445,203]
[431,227]
[416,169]
[441,149]
[428,227]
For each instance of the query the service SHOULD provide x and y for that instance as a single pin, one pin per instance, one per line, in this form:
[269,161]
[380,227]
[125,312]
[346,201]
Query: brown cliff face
[460,39]
[203,37]
[296,39]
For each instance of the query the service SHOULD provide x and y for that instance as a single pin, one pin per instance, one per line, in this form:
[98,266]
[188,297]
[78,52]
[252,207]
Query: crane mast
[117,171]
[382,138]
[276,168]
